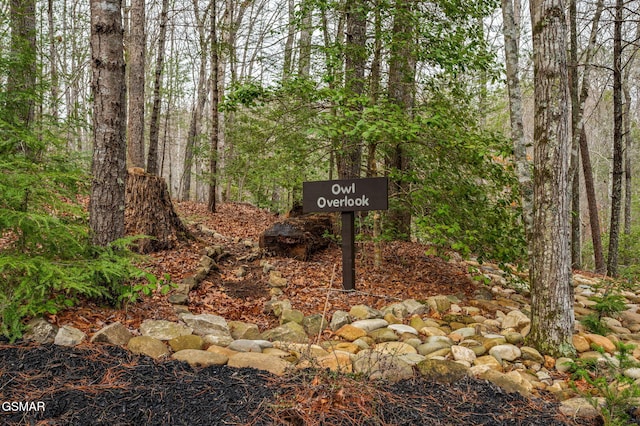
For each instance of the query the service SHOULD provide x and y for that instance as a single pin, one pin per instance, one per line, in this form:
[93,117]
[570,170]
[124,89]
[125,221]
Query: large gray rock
[114,334]
[414,307]
[147,345]
[163,330]
[339,319]
[69,336]
[370,324]
[204,324]
[39,330]
[314,324]
[289,332]
[243,330]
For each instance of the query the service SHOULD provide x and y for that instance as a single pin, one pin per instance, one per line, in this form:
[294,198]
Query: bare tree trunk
[53,60]
[616,181]
[592,203]
[550,270]
[401,86]
[304,60]
[523,165]
[154,122]
[576,241]
[214,111]
[137,48]
[106,207]
[580,138]
[288,46]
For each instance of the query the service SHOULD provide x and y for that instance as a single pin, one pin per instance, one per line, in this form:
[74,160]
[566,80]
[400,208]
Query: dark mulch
[105,385]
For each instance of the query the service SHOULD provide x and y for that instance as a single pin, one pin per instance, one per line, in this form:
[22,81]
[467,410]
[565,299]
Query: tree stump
[149,211]
[298,237]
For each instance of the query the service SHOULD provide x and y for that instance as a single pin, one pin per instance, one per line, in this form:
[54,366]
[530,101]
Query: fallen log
[298,237]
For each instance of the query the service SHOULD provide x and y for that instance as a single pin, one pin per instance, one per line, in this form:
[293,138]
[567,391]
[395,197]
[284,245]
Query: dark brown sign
[345,195]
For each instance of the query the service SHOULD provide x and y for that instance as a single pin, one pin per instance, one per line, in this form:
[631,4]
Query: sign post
[346,196]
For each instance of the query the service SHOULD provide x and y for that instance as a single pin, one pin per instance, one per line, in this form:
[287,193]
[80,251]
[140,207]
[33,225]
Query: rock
[147,345]
[186,342]
[395,348]
[510,383]
[605,343]
[276,279]
[276,307]
[222,351]
[439,303]
[204,324]
[260,361]
[289,332]
[244,345]
[442,371]
[460,353]
[376,365]
[39,330]
[563,364]
[114,334]
[370,324]
[363,312]
[432,331]
[580,408]
[506,352]
[632,373]
[516,320]
[314,324]
[488,361]
[68,336]
[401,328]
[200,358]
[179,298]
[531,354]
[514,338]
[580,343]
[163,330]
[398,310]
[350,333]
[383,335]
[417,322]
[338,361]
[414,307]
[291,315]
[338,319]
[243,330]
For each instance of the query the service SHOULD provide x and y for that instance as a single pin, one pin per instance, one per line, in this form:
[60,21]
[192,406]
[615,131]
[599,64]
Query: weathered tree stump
[149,211]
[298,237]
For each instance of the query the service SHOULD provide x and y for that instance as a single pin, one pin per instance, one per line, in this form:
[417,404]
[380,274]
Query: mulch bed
[106,385]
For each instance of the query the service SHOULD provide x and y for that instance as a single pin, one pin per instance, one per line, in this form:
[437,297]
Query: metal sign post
[346,196]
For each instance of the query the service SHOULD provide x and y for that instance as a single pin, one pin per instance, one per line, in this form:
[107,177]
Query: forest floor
[93,384]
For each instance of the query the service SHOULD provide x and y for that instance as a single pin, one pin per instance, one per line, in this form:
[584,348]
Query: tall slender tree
[137,48]
[154,121]
[213,138]
[550,269]
[106,207]
[616,182]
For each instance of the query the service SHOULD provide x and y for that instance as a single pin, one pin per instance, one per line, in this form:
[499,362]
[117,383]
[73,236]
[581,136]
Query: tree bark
[576,229]
[137,48]
[107,204]
[550,270]
[401,87]
[616,181]
[523,167]
[154,121]
[213,152]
